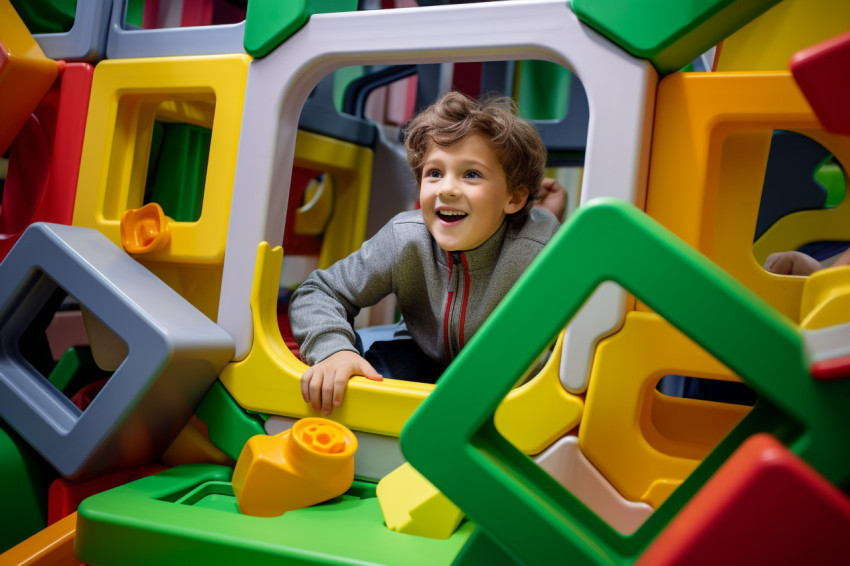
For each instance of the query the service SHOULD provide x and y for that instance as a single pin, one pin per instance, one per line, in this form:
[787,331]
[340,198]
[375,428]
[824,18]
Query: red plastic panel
[764,506]
[823,73]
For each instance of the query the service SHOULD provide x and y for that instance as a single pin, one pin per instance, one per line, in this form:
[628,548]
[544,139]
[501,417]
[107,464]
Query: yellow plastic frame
[127,94]
[709,153]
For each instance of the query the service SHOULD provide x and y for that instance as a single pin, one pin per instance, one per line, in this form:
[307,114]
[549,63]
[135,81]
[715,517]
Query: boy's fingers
[340,383]
[328,387]
[305,384]
[369,372]
[316,390]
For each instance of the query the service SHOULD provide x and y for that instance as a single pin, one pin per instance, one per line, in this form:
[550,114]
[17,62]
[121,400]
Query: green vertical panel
[543,90]
[135,14]
[343,78]
[181,171]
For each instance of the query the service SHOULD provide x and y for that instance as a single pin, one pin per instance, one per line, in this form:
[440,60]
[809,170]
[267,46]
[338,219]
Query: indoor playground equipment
[170,170]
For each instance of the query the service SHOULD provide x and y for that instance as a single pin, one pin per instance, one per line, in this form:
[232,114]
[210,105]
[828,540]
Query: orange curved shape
[145,229]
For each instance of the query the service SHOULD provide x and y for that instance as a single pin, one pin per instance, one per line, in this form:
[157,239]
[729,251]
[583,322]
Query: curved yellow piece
[710,145]
[536,414]
[350,167]
[644,442]
[826,298]
[312,217]
[268,381]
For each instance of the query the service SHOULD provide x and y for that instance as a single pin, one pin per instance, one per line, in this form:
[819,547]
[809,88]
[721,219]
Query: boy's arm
[321,312]
[322,309]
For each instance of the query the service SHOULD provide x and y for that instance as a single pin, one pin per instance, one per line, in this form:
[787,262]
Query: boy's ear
[517,201]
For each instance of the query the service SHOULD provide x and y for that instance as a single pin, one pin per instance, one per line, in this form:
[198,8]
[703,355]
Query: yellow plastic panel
[709,153]
[268,381]
[127,95]
[768,42]
[350,165]
[826,298]
[644,442]
[536,414]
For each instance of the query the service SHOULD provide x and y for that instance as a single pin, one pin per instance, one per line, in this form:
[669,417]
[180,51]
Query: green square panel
[451,438]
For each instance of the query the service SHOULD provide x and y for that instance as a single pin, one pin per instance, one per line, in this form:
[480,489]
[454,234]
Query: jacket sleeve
[322,309]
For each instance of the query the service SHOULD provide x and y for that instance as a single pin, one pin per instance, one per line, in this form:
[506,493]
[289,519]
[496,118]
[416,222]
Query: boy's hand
[552,197]
[323,385]
[791,263]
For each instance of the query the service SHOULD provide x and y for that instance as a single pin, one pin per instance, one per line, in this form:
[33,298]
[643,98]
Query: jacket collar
[482,257]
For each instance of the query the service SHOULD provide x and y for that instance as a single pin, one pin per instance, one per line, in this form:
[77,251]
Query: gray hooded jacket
[444,297]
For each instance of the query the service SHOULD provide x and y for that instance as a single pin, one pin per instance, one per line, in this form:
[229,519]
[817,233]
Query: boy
[479,168]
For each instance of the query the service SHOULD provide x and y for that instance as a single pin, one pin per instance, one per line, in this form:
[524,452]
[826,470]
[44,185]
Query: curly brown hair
[515,141]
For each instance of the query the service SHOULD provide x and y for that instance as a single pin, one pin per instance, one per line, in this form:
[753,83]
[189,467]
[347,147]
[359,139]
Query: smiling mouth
[451,216]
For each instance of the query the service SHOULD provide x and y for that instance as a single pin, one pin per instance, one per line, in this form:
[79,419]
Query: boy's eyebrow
[467,163]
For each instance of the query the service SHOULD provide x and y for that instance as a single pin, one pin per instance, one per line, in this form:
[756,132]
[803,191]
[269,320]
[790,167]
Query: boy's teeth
[452,213]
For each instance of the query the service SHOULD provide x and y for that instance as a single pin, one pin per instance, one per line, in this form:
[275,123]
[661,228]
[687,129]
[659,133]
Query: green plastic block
[472,463]
[228,424]
[47,16]
[670,33]
[27,478]
[188,515]
[177,170]
[268,23]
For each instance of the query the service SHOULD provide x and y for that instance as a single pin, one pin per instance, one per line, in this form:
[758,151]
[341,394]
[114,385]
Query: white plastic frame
[620,90]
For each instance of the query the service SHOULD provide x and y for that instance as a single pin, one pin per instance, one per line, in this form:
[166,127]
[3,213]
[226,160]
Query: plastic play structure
[171,169]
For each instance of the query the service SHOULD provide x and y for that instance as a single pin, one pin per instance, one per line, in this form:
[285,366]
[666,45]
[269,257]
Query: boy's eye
[434,173]
[472,175]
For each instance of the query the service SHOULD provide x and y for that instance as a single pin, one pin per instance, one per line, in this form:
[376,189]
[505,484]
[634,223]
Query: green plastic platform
[670,33]
[188,515]
[452,440]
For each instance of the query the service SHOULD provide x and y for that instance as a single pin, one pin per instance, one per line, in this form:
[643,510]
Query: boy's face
[464,193]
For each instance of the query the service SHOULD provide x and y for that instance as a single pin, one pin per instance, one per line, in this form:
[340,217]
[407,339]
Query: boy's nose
[449,187]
